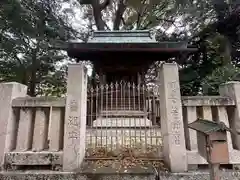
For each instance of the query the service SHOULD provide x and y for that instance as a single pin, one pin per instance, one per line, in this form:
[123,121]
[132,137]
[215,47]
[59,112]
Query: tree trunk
[32,84]
[33,70]
[24,79]
[97,13]
[119,14]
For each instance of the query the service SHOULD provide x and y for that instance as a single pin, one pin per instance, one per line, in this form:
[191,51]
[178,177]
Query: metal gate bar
[122,116]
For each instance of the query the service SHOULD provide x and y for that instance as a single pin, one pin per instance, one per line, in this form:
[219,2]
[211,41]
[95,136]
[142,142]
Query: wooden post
[214,171]
[213,167]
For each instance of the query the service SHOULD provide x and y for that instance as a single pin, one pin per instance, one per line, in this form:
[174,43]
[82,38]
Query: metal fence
[123,116]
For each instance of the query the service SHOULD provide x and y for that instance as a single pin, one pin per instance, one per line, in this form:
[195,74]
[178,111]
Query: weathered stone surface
[193,157]
[234,154]
[123,137]
[39,102]
[207,113]
[56,129]
[42,175]
[48,175]
[200,175]
[207,101]
[75,117]
[172,127]
[189,116]
[24,131]
[40,129]
[8,92]
[232,119]
[122,113]
[122,122]
[33,158]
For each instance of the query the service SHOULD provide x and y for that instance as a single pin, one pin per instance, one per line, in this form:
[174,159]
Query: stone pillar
[232,90]
[172,128]
[8,92]
[75,117]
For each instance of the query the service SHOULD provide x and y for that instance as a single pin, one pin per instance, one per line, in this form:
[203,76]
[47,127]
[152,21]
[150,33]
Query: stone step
[104,173]
[114,105]
[122,122]
[120,108]
[122,113]
[126,132]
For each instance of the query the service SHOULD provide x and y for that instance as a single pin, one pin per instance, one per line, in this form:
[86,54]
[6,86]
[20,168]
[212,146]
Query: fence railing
[120,116]
[215,108]
[39,126]
[37,131]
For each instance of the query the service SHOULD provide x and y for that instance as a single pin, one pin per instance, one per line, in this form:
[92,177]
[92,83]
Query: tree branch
[140,14]
[138,20]
[119,14]
[104,4]
[146,26]
[158,19]
[108,28]
[167,20]
[97,9]
[123,21]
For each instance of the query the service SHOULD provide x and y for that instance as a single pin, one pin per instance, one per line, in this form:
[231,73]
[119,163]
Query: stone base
[112,137]
[33,158]
[49,175]
[122,122]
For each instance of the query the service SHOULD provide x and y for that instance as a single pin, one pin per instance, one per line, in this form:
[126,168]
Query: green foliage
[54,84]
[212,55]
[210,84]
[28,28]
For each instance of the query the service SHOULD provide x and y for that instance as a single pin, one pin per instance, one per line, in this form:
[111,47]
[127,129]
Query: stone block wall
[39,124]
[47,131]
[43,117]
[114,138]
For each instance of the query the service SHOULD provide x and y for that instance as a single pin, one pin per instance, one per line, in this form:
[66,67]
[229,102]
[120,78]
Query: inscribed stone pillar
[232,90]
[8,92]
[75,117]
[172,128]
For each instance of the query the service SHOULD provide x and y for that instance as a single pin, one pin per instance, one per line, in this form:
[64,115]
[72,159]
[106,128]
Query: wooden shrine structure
[125,55]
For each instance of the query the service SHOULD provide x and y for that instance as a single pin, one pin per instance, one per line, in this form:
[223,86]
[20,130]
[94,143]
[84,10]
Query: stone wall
[47,126]
[39,126]
[115,138]
[225,175]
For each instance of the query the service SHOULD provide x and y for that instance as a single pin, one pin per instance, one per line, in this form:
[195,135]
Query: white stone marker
[8,92]
[172,128]
[75,117]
